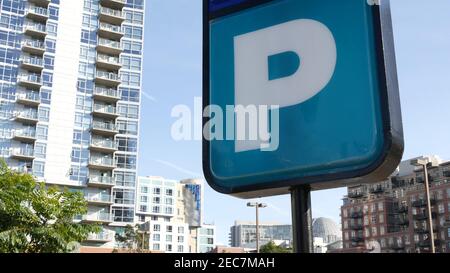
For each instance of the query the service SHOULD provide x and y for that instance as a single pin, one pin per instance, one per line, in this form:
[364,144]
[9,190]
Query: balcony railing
[37,13]
[104,143]
[25,134]
[109,46]
[105,162]
[110,31]
[423,203]
[98,217]
[111,16]
[101,180]
[108,94]
[105,109]
[357,215]
[104,126]
[35,29]
[33,46]
[22,153]
[356,226]
[108,62]
[30,80]
[24,116]
[355,195]
[101,237]
[32,63]
[99,198]
[117,4]
[107,78]
[403,209]
[423,216]
[28,97]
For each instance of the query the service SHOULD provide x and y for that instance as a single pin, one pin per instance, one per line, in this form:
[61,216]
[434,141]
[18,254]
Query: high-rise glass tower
[70,89]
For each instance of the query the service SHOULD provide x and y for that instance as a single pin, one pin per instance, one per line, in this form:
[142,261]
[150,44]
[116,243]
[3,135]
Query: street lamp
[424,163]
[257,206]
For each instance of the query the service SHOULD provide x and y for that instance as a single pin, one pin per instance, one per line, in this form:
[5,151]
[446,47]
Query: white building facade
[70,92]
[172,210]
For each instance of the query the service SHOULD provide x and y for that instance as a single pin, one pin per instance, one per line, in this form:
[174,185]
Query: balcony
[105,111]
[25,135]
[109,31]
[421,231]
[423,216]
[397,246]
[423,203]
[32,81]
[377,190]
[99,181]
[357,215]
[356,227]
[102,163]
[111,16]
[36,13]
[427,243]
[36,47]
[403,209]
[115,4]
[104,128]
[355,195]
[108,62]
[110,95]
[99,199]
[357,239]
[109,46]
[23,154]
[28,98]
[403,222]
[103,145]
[34,64]
[103,237]
[110,79]
[26,117]
[41,3]
[35,30]
[101,217]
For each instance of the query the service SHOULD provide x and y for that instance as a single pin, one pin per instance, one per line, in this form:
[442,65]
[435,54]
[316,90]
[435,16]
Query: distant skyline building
[392,214]
[243,234]
[70,89]
[173,212]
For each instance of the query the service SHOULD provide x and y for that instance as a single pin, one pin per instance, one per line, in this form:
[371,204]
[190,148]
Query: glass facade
[104,146]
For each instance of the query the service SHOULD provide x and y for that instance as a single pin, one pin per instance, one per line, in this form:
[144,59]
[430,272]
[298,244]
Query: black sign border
[393,147]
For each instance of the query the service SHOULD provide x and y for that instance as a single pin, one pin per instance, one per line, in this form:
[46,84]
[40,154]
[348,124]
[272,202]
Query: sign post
[299,95]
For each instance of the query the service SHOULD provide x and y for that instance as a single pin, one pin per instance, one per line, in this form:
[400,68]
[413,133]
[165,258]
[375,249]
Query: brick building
[393,213]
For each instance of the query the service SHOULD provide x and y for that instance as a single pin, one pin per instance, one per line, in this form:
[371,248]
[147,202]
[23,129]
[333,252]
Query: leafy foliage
[271,247]
[132,240]
[37,219]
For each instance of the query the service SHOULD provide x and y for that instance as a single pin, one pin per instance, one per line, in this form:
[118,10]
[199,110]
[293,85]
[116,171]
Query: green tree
[133,239]
[271,247]
[39,219]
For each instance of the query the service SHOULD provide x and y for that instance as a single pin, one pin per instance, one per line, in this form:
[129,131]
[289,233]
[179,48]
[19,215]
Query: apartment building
[392,214]
[70,88]
[243,233]
[172,212]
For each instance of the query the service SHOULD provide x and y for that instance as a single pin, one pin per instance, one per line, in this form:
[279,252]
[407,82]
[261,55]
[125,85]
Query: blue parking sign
[324,71]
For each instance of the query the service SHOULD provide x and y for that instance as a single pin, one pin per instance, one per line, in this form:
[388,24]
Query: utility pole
[257,206]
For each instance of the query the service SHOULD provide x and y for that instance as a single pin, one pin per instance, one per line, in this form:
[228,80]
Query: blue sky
[173,72]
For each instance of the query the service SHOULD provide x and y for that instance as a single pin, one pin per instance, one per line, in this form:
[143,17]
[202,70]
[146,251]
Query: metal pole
[302,219]
[430,216]
[257,227]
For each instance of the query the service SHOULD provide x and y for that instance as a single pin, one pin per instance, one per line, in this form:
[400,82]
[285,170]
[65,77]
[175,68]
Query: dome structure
[327,229]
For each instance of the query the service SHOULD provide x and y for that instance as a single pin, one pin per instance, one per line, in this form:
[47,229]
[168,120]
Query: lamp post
[257,206]
[424,163]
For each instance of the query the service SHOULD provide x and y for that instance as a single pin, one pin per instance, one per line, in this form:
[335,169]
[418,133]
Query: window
[180,249]
[169,229]
[157,191]
[180,239]
[144,189]
[156,247]
[156,228]
[169,248]
[42,132]
[169,192]
[168,238]
[38,168]
[156,237]
[180,229]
